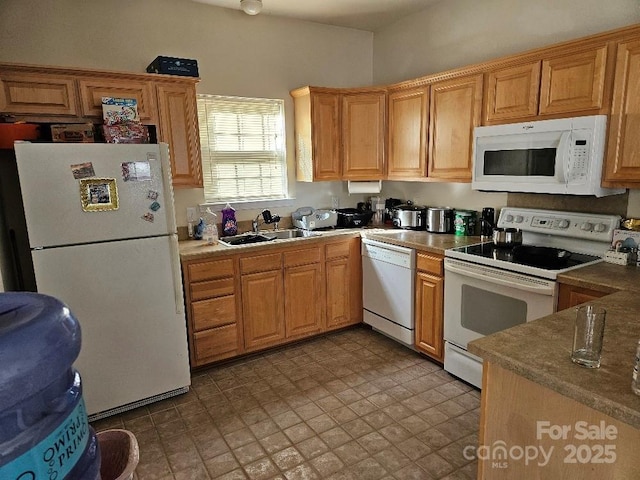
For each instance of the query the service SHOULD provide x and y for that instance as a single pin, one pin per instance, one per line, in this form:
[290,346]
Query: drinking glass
[587,336]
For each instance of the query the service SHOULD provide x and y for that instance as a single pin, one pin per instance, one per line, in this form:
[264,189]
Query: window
[243,148]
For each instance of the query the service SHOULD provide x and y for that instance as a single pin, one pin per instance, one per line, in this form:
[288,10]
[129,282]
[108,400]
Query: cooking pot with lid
[439,220]
[410,216]
[507,237]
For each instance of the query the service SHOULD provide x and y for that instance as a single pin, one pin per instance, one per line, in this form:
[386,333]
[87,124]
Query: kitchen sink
[245,239]
[285,234]
[266,236]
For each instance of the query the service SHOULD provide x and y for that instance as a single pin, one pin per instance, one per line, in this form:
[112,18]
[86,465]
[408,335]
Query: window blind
[243,148]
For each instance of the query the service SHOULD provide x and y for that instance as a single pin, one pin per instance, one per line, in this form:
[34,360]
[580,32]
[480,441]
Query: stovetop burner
[546,258]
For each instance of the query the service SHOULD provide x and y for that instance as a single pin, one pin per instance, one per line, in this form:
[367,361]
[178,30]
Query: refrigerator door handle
[168,188]
[177,276]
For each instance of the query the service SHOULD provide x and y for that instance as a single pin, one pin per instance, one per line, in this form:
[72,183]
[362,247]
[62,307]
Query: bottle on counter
[229,223]
[211,230]
[635,383]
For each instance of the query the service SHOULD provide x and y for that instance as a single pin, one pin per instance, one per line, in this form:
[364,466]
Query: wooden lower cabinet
[343,281]
[213,303]
[246,302]
[263,309]
[570,295]
[429,310]
[303,297]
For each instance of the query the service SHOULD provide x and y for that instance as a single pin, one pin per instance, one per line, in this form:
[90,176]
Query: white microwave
[563,156]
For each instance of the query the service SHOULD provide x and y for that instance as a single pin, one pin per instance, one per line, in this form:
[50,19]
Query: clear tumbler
[587,336]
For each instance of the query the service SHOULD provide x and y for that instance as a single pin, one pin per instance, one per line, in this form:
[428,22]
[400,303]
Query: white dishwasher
[388,279]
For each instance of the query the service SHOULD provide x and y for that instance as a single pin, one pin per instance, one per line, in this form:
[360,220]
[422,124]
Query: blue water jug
[44,431]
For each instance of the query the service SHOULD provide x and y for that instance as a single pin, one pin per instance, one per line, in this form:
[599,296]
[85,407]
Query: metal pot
[507,237]
[409,216]
[439,219]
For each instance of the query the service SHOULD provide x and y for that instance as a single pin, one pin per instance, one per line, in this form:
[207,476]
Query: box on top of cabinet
[174,66]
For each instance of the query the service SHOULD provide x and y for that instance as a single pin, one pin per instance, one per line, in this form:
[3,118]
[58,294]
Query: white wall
[455,33]
[267,56]
[237,54]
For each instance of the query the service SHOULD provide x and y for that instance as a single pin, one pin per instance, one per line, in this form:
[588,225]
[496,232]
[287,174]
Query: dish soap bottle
[229,223]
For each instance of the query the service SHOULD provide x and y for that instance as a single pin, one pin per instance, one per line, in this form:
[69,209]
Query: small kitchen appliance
[389,205]
[489,288]
[353,218]
[308,218]
[410,216]
[439,220]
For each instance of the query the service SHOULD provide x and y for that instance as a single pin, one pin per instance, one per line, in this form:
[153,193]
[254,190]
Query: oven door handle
[513,280]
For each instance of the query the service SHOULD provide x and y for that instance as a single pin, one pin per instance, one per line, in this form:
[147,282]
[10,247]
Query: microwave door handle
[563,149]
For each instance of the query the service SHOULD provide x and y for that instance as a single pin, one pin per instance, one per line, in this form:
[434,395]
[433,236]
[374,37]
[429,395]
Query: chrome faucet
[267,218]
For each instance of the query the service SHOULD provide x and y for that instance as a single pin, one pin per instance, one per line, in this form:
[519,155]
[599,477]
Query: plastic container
[44,431]
[464,222]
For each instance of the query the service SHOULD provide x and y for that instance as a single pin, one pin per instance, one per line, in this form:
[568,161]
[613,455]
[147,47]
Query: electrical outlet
[335,202]
[191,214]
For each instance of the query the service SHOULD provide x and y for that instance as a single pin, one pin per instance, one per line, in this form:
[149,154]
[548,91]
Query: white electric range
[488,289]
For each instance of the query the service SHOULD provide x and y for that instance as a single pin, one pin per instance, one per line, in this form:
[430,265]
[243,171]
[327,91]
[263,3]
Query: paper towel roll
[364,187]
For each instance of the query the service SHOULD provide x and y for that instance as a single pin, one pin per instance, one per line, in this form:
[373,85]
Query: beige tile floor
[349,405]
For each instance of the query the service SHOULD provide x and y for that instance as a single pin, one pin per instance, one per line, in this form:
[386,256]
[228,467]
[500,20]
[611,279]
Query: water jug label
[55,456]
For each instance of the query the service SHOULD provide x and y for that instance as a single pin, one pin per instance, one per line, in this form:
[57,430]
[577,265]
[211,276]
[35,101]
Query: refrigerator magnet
[148,217]
[136,171]
[152,195]
[155,206]
[83,170]
[98,194]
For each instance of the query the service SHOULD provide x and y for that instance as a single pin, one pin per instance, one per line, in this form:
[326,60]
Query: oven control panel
[567,224]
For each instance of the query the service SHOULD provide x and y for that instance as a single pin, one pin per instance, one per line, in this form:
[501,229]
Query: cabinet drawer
[216,343]
[431,264]
[214,312]
[302,257]
[92,90]
[210,270]
[261,263]
[211,289]
[337,250]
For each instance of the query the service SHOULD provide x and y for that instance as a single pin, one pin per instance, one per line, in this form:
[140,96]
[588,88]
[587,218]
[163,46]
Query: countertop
[540,351]
[604,277]
[420,240]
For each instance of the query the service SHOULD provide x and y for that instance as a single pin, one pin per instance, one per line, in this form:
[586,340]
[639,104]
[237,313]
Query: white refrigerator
[102,238]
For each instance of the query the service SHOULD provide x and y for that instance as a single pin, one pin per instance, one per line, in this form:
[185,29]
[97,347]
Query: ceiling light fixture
[251,7]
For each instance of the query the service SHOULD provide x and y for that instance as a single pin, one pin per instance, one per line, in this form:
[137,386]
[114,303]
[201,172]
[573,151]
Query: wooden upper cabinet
[455,109]
[622,164]
[325,140]
[93,89]
[512,93]
[178,126]
[37,94]
[407,133]
[363,132]
[317,134]
[574,82]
